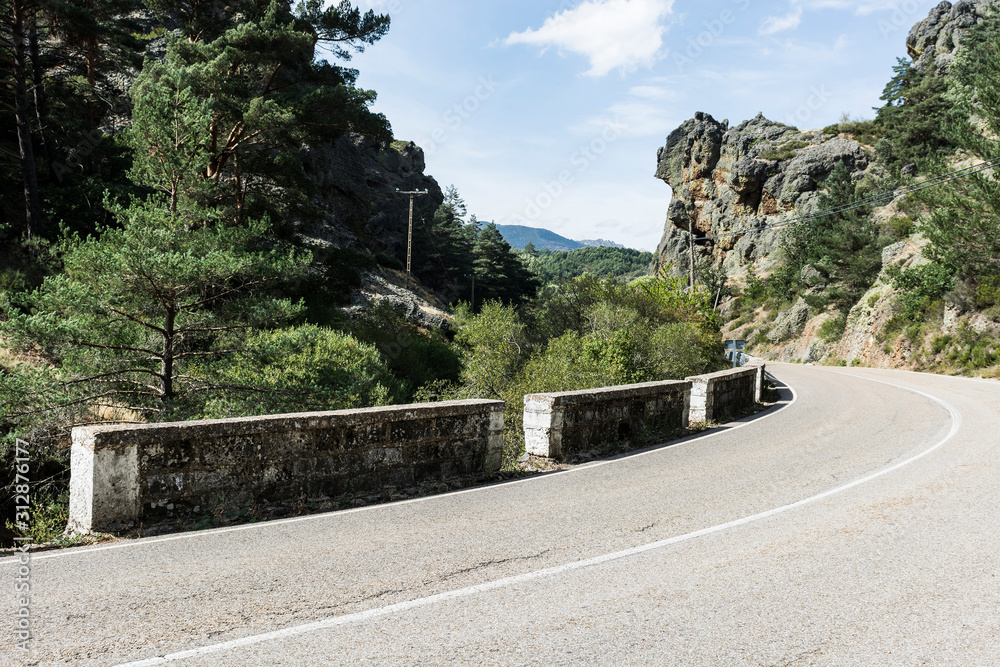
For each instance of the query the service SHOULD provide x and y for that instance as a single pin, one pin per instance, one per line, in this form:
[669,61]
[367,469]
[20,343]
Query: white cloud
[773,24]
[863,7]
[611,34]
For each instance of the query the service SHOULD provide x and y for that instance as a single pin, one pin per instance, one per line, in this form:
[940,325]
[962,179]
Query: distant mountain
[601,243]
[519,236]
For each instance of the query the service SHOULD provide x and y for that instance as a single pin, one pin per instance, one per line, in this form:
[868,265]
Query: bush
[941,343]
[684,349]
[584,333]
[919,287]
[988,291]
[389,262]
[48,518]
[415,357]
[495,346]
[832,330]
[898,227]
[300,369]
[863,131]
[786,151]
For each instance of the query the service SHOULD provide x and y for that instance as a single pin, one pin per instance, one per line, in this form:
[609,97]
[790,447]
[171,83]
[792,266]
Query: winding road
[856,523]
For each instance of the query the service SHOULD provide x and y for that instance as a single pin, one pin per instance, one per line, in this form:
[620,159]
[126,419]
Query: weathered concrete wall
[124,474]
[558,424]
[722,395]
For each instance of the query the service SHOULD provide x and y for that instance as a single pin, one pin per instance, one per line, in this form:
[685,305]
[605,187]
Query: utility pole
[409,235]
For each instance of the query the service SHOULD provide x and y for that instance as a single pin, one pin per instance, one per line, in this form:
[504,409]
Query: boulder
[932,42]
[789,323]
[731,183]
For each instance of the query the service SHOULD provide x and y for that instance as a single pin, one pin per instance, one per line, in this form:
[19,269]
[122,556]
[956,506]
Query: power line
[868,201]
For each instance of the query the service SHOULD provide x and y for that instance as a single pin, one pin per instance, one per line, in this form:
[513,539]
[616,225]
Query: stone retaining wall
[559,424]
[720,396]
[124,474]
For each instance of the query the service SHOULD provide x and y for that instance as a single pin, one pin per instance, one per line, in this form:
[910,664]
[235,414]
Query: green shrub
[941,343]
[300,369]
[988,291]
[684,349]
[832,330]
[47,518]
[414,356]
[389,262]
[898,227]
[863,131]
[786,151]
[920,287]
[973,349]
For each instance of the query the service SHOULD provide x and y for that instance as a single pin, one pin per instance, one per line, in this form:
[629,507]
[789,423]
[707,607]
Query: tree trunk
[22,14]
[41,105]
[92,56]
[167,361]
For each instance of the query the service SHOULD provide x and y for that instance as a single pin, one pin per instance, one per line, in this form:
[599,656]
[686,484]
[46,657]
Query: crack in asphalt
[490,563]
[314,610]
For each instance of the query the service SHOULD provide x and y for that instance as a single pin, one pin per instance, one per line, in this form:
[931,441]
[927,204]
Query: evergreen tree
[251,67]
[443,249]
[500,273]
[145,312]
[17,21]
[915,118]
[964,223]
[56,58]
[844,247]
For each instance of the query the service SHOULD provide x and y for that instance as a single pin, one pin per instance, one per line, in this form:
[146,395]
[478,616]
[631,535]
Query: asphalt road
[854,525]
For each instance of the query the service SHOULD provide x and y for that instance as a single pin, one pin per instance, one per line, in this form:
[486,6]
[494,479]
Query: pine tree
[964,223]
[500,273]
[16,23]
[915,117]
[251,67]
[443,249]
[845,247]
[144,310]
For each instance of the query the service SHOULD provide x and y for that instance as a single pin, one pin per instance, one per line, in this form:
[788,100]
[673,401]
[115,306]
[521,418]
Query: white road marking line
[371,614]
[80,551]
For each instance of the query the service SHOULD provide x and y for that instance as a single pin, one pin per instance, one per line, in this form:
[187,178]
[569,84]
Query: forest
[153,265]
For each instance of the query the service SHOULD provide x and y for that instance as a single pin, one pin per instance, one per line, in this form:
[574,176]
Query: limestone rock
[811,276]
[891,252]
[932,42]
[730,183]
[790,322]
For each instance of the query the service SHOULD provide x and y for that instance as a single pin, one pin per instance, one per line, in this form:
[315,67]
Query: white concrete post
[104,484]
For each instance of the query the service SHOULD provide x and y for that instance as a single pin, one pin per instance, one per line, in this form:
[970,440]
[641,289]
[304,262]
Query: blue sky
[549,114]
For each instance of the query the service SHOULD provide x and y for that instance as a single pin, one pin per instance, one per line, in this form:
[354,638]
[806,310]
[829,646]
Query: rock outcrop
[357,181]
[730,183]
[932,43]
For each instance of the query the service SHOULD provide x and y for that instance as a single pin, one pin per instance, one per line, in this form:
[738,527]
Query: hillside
[824,259]
[519,236]
[597,261]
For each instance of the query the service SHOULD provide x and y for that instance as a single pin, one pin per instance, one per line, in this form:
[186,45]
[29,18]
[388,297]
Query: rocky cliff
[932,43]
[729,183]
[357,181]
